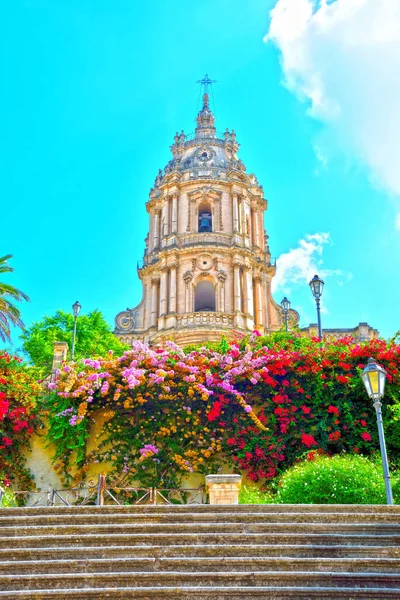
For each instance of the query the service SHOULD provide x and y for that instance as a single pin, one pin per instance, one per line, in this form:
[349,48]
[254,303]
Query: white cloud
[343,57]
[299,265]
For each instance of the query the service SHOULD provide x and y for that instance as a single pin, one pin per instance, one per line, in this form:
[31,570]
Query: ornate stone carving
[126,321]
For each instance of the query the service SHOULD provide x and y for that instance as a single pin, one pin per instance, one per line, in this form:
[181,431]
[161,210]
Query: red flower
[333,409]
[342,379]
[308,440]
[249,455]
[7,441]
[231,441]
[335,435]
[366,437]
[363,423]
[4,404]
[305,409]
[215,411]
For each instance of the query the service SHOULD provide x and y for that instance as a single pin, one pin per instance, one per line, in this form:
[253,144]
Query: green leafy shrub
[342,479]
[251,494]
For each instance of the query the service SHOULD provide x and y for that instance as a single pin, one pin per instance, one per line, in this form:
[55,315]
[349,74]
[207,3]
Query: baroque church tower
[207,267]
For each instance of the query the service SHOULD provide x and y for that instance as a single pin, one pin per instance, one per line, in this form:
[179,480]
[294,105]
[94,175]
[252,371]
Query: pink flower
[248,408]
[366,436]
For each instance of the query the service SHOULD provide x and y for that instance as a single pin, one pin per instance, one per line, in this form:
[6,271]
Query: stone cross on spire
[205,82]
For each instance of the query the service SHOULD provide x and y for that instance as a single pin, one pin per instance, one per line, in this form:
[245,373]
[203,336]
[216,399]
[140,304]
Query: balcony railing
[205,319]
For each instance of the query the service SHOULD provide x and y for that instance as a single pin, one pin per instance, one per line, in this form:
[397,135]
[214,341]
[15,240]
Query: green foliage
[94,337]
[342,479]
[251,494]
[9,313]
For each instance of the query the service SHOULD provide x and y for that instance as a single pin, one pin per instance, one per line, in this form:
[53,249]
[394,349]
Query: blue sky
[92,94]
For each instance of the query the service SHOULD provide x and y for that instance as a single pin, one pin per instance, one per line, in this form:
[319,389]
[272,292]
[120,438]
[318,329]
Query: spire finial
[205,82]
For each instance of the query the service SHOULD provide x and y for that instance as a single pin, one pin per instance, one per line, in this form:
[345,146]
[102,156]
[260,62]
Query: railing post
[50,496]
[101,486]
[1,496]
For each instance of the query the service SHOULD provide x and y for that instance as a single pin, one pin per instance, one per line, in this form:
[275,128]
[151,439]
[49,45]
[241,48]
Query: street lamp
[374,378]
[76,308]
[317,285]
[286,306]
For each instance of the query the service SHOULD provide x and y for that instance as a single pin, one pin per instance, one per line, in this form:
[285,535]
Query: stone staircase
[212,552]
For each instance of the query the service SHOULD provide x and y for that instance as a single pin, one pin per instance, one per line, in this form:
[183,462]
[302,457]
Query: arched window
[204,296]
[205,218]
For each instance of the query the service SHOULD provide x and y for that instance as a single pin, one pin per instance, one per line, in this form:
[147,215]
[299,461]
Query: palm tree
[9,313]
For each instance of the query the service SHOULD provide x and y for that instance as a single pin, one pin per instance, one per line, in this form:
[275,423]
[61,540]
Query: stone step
[198,550]
[200,528]
[180,579]
[207,593]
[200,565]
[381,509]
[227,517]
[198,538]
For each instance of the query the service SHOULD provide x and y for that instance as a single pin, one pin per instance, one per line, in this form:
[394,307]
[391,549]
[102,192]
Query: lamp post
[374,378]
[76,308]
[286,306]
[317,285]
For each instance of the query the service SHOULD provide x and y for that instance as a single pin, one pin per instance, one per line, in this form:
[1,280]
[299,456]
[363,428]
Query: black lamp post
[374,378]
[76,308]
[286,306]
[317,285]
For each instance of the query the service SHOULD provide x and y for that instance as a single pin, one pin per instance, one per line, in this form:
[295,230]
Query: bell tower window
[205,218]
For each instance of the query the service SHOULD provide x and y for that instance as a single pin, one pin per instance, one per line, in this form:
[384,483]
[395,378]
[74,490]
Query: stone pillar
[242,217]
[174,228]
[166,217]
[172,289]
[256,228]
[248,291]
[261,228]
[236,288]
[163,292]
[154,294]
[221,291]
[187,279]
[60,350]
[156,238]
[235,213]
[193,217]
[258,302]
[223,489]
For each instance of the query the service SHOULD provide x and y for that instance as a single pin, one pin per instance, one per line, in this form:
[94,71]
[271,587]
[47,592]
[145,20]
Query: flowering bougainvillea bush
[256,404]
[19,394]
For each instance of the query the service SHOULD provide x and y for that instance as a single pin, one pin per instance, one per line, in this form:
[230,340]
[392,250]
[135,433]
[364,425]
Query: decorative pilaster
[172,289]
[154,303]
[258,302]
[221,291]
[156,238]
[256,228]
[163,291]
[248,291]
[235,213]
[236,288]
[187,277]
[166,217]
[174,228]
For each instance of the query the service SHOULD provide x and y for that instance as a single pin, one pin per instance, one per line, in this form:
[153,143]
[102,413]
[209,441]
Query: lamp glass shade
[316,285]
[285,304]
[76,308]
[374,379]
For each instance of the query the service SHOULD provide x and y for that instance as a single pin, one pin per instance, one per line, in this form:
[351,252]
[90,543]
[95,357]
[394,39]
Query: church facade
[207,267]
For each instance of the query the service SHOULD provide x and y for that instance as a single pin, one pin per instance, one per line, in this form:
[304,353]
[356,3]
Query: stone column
[163,292]
[166,217]
[248,291]
[174,228]
[242,218]
[223,489]
[235,212]
[236,288]
[172,289]
[261,227]
[258,302]
[256,228]
[193,217]
[156,238]
[187,279]
[154,294]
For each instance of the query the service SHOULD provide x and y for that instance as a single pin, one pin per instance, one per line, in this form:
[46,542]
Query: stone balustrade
[209,319]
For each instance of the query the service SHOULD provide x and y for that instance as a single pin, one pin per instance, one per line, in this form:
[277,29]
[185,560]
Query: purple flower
[248,408]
